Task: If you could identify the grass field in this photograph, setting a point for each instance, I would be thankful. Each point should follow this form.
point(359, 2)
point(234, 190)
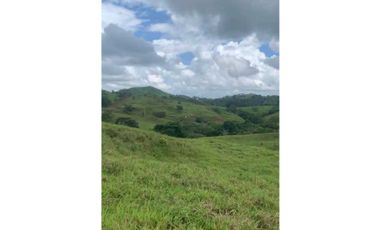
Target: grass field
point(147, 100)
point(153, 181)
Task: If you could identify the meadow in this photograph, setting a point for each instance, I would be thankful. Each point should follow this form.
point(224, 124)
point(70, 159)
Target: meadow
point(154, 181)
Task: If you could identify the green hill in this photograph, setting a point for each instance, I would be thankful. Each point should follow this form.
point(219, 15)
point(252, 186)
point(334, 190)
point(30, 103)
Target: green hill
point(141, 91)
point(195, 116)
point(145, 104)
point(153, 181)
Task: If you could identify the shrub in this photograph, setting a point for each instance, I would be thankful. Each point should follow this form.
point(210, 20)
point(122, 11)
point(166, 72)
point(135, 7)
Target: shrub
point(105, 101)
point(217, 110)
point(128, 108)
point(107, 116)
point(123, 93)
point(187, 129)
point(254, 118)
point(179, 107)
point(231, 127)
point(159, 114)
point(200, 119)
point(171, 129)
point(127, 121)
point(231, 108)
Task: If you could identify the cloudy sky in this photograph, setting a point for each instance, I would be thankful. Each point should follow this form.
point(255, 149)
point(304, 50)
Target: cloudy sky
point(207, 48)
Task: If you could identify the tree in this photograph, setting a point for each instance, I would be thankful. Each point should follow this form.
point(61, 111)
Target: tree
point(107, 116)
point(127, 121)
point(231, 108)
point(128, 108)
point(231, 127)
point(171, 129)
point(159, 114)
point(200, 119)
point(179, 107)
point(105, 101)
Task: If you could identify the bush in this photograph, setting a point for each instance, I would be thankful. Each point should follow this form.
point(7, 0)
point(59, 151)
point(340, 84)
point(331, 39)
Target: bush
point(127, 121)
point(254, 118)
point(106, 101)
point(179, 107)
point(128, 108)
point(188, 129)
point(159, 114)
point(123, 93)
point(231, 127)
point(200, 119)
point(171, 129)
point(231, 108)
point(217, 110)
point(107, 116)
point(274, 109)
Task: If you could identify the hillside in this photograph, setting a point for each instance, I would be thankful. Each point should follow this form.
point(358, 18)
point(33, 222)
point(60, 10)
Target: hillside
point(195, 116)
point(153, 181)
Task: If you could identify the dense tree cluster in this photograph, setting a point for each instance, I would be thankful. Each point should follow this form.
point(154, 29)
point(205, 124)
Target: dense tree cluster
point(128, 109)
point(127, 121)
point(243, 100)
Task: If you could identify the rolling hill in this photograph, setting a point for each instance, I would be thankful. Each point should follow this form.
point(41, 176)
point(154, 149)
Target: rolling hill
point(150, 107)
point(220, 180)
point(154, 181)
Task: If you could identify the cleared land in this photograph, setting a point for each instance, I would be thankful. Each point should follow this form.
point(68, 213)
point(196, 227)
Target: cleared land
point(153, 181)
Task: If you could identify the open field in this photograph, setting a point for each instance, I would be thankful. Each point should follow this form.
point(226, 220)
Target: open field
point(153, 181)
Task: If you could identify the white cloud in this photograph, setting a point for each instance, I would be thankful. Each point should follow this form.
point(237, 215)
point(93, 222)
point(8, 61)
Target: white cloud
point(274, 45)
point(161, 27)
point(221, 65)
point(124, 18)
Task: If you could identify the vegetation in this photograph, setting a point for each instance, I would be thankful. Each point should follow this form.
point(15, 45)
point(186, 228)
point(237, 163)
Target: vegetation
point(159, 114)
point(152, 181)
point(179, 107)
point(185, 164)
point(107, 116)
point(243, 100)
point(127, 121)
point(156, 110)
point(188, 129)
point(129, 108)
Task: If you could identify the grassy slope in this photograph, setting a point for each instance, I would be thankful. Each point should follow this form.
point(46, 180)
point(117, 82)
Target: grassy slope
point(152, 181)
point(148, 100)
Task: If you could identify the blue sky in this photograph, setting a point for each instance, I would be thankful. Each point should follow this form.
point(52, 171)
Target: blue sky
point(192, 48)
point(149, 16)
point(267, 50)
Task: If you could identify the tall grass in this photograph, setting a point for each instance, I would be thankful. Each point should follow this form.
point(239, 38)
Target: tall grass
point(152, 181)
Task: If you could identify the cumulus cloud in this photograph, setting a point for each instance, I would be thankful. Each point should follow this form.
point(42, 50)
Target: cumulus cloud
point(227, 18)
point(224, 37)
point(274, 45)
point(273, 61)
point(120, 16)
point(123, 48)
point(161, 27)
point(235, 67)
point(108, 68)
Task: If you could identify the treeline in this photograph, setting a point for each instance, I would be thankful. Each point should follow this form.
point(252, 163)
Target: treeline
point(242, 100)
point(194, 129)
point(200, 127)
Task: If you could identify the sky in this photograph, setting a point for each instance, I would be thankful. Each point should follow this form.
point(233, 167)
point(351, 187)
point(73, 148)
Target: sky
point(204, 48)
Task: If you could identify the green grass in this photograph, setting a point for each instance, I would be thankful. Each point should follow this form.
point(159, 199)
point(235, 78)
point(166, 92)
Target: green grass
point(148, 100)
point(152, 181)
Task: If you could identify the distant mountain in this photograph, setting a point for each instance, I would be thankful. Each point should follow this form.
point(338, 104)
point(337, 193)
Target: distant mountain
point(244, 100)
point(142, 91)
